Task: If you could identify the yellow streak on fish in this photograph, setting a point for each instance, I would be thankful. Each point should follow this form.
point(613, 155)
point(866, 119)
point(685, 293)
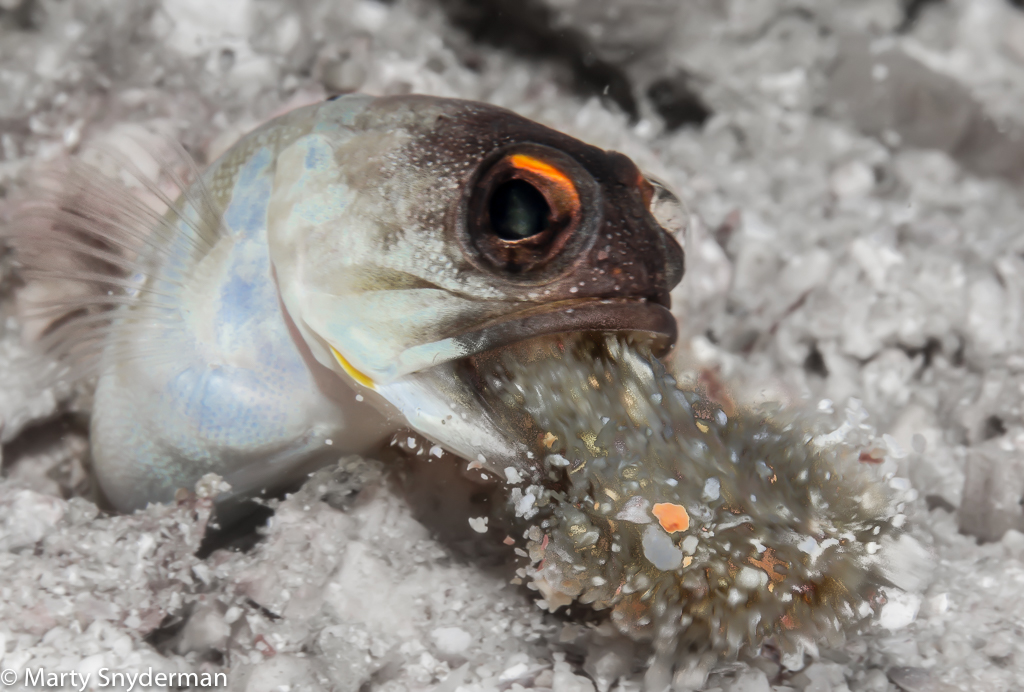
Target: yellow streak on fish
point(352, 371)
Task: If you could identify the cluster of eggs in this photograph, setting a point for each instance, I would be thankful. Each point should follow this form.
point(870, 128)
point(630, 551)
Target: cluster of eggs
point(699, 529)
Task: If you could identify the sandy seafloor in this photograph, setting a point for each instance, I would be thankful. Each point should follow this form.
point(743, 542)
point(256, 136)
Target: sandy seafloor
point(857, 245)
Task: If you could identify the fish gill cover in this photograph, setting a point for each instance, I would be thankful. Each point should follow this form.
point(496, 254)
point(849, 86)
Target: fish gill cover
point(701, 528)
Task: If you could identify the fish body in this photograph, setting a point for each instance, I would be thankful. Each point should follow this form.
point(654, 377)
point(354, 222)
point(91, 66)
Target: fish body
point(321, 284)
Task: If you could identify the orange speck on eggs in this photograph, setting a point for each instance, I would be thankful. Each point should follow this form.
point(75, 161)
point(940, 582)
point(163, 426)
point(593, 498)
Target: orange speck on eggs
point(768, 563)
point(671, 517)
point(549, 440)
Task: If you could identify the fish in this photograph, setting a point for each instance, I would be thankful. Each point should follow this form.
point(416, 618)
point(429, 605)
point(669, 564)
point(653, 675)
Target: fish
point(328, 281)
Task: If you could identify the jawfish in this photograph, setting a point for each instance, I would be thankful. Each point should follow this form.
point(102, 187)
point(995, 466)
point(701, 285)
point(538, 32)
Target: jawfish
point(325, 282)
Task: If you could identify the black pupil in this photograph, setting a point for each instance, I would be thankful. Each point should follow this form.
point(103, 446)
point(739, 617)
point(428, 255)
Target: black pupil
point(518, 211)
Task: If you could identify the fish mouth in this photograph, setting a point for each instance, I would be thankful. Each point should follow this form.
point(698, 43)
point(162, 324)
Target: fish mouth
point(630, 315)
point(452, 402)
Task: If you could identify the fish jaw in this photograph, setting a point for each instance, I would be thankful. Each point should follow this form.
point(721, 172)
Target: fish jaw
point(612, 315)
point(442, 394)
point(463, 406)
point(444, 397)
point(444, 406)
point(439, 392)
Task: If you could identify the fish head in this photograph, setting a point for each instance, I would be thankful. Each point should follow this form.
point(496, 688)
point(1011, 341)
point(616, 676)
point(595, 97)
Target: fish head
point(409, 234)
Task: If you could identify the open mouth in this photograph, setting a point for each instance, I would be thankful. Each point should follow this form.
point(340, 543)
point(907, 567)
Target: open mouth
point(651, 320)
point(461, 404)
point(542, 334)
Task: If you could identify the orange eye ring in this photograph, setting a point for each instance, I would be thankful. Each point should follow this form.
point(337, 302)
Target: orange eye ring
point(553, 182)
point(525, 211)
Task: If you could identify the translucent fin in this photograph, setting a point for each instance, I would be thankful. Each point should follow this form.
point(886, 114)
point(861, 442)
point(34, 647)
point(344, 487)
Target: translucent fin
point(93, 240)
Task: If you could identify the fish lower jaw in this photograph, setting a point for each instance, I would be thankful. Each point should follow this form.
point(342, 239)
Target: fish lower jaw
point(453, 403)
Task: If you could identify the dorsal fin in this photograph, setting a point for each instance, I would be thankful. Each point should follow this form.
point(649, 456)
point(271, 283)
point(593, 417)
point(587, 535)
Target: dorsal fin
point(93, 239)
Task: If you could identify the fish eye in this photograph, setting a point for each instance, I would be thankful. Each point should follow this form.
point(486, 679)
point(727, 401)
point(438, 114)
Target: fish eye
point(518, 210)
point(525, 209)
